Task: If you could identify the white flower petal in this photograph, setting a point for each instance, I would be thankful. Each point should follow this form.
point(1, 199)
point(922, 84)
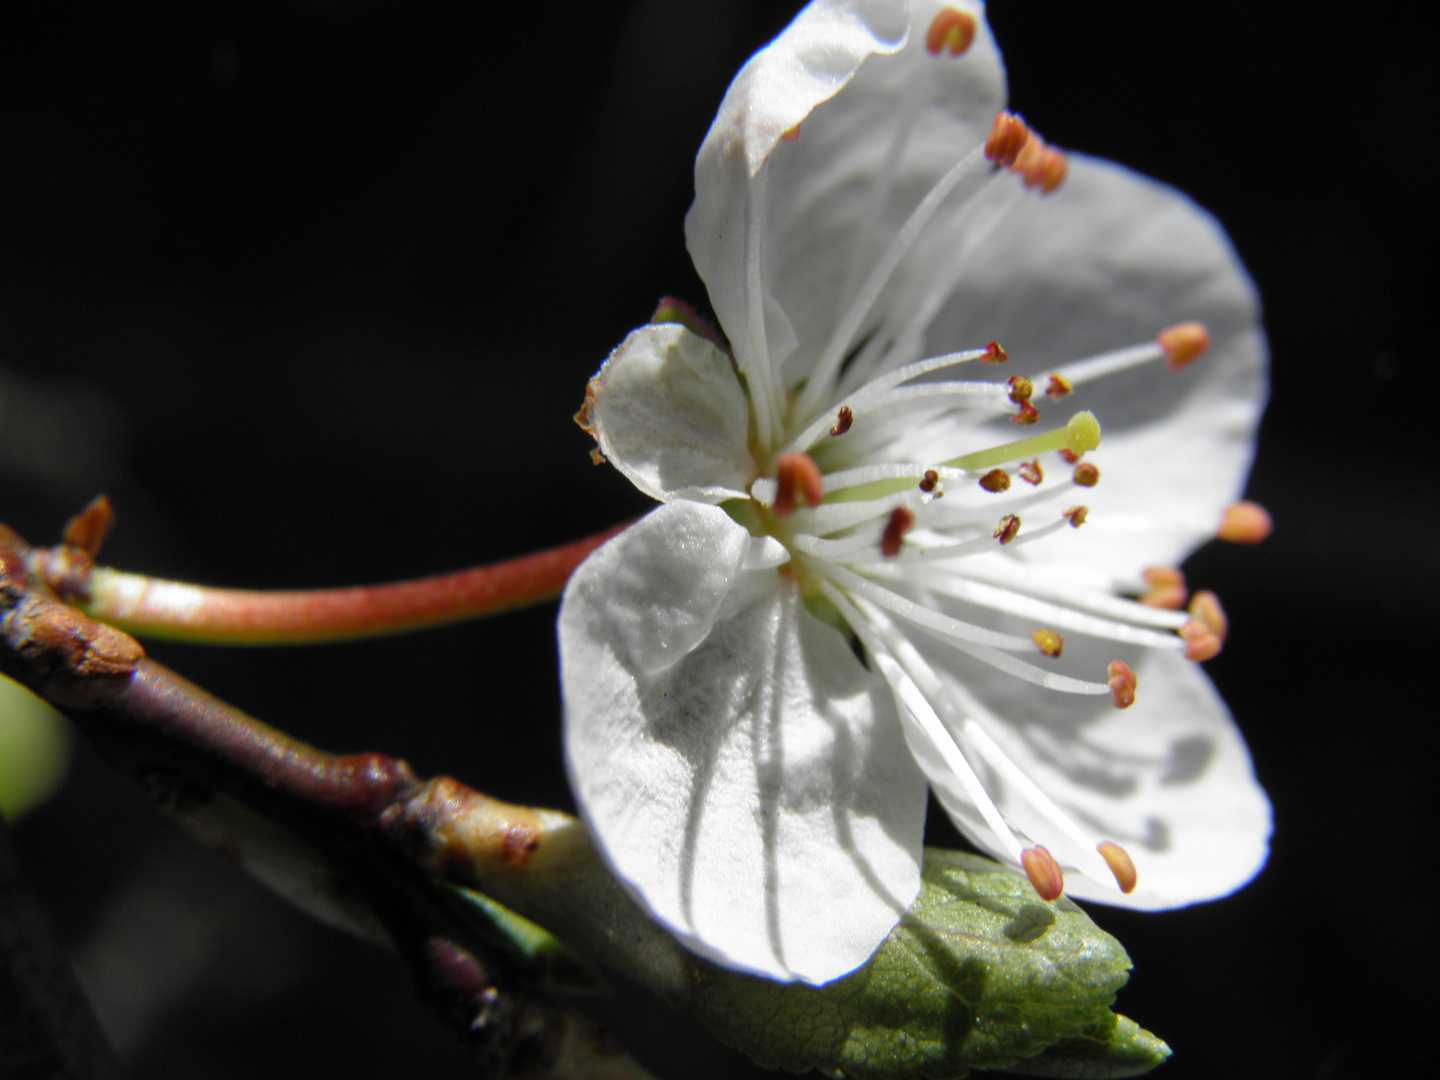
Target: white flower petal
point(670, 414)
point(1169, 779)
point(1110, 260)
point(755, 793)
point(862, 160)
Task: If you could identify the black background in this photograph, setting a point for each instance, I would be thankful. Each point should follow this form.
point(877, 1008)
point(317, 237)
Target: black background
point(312, 288)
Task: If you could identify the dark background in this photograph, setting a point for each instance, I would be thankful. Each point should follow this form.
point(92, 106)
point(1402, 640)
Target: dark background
point(312, 288)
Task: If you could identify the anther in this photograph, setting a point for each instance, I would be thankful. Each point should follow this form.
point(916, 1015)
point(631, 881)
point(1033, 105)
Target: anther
point(1028, 414)
point(1122, 684)
point(1031, 473)
point(791, 134)
point(1206, 607)
point(1077, 515)
point(1049, 642)
point(843, 421)
point(1182, 344)
point(1021, 388)
point(901, 520)
point(1120, 863)
point(1069, 456)
point(1008, 136)
point(1086, 475)
point(1245, 523)
point(796, 473)
point(1044, 872)
point(994, 354)
point(996, 480)
point(1059, 387)
point(1167, 588)
point(951, 31)
point(1007, 529)
point(931, 478)
point(1200, 641)
point(1054, 167)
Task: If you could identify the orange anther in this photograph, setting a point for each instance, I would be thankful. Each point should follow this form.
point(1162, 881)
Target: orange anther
point(994, 354)
point(996, 480)
point(1121, 865)
point(1086, 475)
point(1043, 871)
point(1077, 515)
point(1028, 414)
point(1182, 344)
point(1054, 167)
point(1048, 642)
point(797, 474)
point(1059, 387)
point(843, 421)
point(791, 134)
point(1031, 473)
point(1167, 588)
point(1069, 456)
point(1206, 607)
point(1029, 163)
point(901, 520)
point(1122, 684)
point(1200, 641)
point(1007, 529)
point(950, 31)
point(1007, 138)
point(928, 482)
point(1021, 389)
point(1245, 523)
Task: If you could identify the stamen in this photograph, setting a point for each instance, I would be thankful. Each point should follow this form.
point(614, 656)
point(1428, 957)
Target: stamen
point(902, 519)
point(1044, 872)
point(1069, 456)
point(1007, 529)
point(1049, 642)
point(1008, 136)
point(1040, 165)
point(1183, 343)
point(1086, 475)
point(822, 376)
point(843, 421)
point(1121, 865)
point(1059, 387)
point(1020, 388)
point(1201, 643)
point(1028, 414)
point(994, 354)
point(1031, 473)
point(880, 386)
point(1245, 523)
point(928, 482)
point(791, 134)
point(1206, 607)
point(1077, 515)
point(996, 480)
point(1081, 434)
point(1121, 683)
point(1167, 588)
point(796, 473)
point(951, 31)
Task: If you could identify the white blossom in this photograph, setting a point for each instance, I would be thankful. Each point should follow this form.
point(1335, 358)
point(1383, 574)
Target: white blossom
point(758, 688)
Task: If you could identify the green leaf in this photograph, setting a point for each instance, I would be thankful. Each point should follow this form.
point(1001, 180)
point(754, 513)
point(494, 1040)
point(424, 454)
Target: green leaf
point(547, 958)
point(980, 973)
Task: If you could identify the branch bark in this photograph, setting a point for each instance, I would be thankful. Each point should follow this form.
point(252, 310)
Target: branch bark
point(346, 847)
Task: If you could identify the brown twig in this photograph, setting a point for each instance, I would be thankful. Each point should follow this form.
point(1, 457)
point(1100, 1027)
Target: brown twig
point(351, 817)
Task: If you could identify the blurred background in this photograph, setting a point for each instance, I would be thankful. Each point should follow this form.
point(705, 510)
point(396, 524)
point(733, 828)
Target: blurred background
point(311, 289)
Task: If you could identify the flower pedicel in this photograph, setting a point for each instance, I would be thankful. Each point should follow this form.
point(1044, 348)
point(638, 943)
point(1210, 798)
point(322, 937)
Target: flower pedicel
point(870, 574)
